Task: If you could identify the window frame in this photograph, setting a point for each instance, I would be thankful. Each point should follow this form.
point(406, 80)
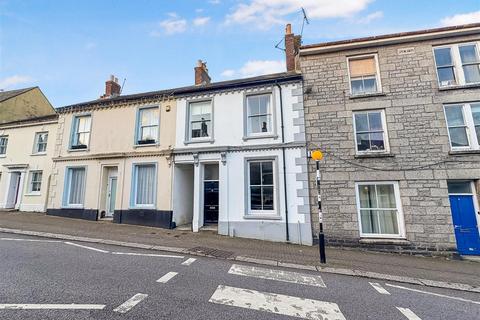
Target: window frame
point(457, 63)
point(259, 135)
point(73, 132)
point(67, 188)
point(133, 187)
point(377, 74)
point(36, 143)
point(138, 127)
point(188, 136)
point(400, 213)
point(384, 127)
point(473, 143)
point(30, 182)
point(4, 146)
point(262, 214)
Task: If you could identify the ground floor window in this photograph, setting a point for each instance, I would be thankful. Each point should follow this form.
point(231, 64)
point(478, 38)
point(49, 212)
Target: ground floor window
point(379, 209)
point(144, 185)
point(75, 187)
point(35, 181)
point(261, 186)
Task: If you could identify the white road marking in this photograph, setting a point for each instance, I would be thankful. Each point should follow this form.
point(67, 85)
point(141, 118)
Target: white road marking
point(85, 247)
point(276, 303)
point(29, 306)
point(278, 275)
point(408, 313)
point(433, 294)
point(167, 277)
point(130, 303)
point(379, 288)
point(189, 261)
point(148, 255)
point(30, 240)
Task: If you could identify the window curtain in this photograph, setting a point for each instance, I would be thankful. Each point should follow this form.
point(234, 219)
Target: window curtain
point(145, 188)
point(77, 182)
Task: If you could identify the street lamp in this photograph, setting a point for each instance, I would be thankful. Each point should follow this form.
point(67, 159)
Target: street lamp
point(317, 155)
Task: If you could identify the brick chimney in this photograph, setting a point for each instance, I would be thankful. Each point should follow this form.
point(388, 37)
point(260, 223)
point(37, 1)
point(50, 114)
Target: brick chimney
point(201, 73)
point(112, 88)
point(292, 46)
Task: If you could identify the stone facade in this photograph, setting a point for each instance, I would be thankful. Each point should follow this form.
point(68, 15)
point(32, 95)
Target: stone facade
point(420, 158)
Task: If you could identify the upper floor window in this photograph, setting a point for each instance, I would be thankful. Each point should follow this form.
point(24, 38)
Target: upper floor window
point(463, 121)
point(259, 114)
point(3, 144)
point(370, 131)
point(74, 192)
point(364, 75)
point(40, 142)
point(200, 120)
point(147, 125)
point(35, 181)
point(81, 132)
point(457, 64)
point(144, 185)
point(261, 186)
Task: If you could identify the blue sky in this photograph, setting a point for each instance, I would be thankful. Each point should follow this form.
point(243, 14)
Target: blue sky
point(69, 48)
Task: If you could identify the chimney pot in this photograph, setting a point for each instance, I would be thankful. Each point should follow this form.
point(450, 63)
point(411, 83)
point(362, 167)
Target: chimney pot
point(288, 29)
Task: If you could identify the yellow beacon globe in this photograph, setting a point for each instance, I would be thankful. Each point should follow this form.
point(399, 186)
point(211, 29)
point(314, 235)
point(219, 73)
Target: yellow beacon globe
point(317, 155)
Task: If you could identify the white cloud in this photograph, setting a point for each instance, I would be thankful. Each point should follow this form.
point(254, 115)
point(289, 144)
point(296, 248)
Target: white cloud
point(255, 68)
point(463, 18)
point(201, 21)
point(170, 26)
point(266, 13)
point(372, 16)
point(13, 81)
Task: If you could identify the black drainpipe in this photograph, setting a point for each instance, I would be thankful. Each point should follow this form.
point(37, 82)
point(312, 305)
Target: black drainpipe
point(284, 167)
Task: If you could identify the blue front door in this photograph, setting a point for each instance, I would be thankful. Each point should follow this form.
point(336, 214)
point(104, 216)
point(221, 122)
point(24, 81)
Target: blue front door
point(465, 224)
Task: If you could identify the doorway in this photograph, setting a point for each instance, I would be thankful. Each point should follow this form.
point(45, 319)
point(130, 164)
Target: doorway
point(111, 196)
point(210, 194)
point(13, 193)
point(465, 216)
point(108, 195)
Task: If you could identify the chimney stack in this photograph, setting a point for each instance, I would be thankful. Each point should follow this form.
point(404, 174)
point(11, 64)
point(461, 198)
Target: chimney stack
point(292, 47)
point(112, 88)
point(201, 73)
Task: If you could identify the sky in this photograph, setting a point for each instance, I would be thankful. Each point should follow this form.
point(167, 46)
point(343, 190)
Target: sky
point(70, 48)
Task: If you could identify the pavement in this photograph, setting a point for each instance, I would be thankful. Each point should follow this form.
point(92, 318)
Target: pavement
point(428, 271)
point(43, 278)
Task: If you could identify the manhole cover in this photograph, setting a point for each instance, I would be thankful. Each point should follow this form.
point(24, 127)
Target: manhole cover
point(212, 252)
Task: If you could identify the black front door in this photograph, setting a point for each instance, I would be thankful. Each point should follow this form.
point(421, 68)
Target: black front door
point(210, 201)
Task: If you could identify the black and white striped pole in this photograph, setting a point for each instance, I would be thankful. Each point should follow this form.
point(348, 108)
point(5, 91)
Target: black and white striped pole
point(317, 155)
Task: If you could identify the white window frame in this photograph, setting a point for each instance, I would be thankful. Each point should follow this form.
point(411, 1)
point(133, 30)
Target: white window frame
point(133, 188)
point(30, 182)
point(5, 145)
point(400, 217)
point(36, 143)
point(385, 132)
point(138, 126)
point(457, 63)
point(377, 74)
point(272, 132)
point(74, 132)
point(262, 213)
point(473, 143)
point(188, 125)
point(67, 188)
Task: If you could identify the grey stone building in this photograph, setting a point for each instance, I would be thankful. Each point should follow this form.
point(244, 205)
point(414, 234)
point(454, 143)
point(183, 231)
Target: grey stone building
point(398, 117)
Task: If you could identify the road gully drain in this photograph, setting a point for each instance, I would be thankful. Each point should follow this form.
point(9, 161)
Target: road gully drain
point(212, 252)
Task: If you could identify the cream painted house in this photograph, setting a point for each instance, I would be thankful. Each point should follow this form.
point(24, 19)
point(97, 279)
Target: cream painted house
point(112, 159)
point(26, 148)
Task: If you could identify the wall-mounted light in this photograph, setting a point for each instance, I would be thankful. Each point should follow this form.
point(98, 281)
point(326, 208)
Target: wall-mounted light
point(167, 108)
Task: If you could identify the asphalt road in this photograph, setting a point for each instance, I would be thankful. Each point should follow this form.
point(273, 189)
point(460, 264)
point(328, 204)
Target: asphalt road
point(43, 279)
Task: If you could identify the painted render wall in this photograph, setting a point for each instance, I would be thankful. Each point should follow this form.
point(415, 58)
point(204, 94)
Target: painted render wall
point(20, 146)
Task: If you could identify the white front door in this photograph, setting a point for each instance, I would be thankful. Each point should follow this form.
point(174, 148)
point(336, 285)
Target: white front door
point(13, 190)
point(111, 195)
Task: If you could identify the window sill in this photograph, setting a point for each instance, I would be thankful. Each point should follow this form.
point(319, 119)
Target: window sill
point(265, 136)
point(78, 150)
point(39, 154)
point(463, 152)
point(199, 141)
point(3, 155)
point(392, 241)
point(73, 207)
point(374, 155)
point(32, 194)
point(156, 144)
point(460, 87)
point(367, 95)
point(262, 217)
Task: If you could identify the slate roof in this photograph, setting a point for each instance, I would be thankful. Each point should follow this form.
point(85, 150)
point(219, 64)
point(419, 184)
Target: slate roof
point(6, 95)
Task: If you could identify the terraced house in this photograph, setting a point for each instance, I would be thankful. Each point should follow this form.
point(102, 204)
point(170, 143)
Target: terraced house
point(399, 118)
